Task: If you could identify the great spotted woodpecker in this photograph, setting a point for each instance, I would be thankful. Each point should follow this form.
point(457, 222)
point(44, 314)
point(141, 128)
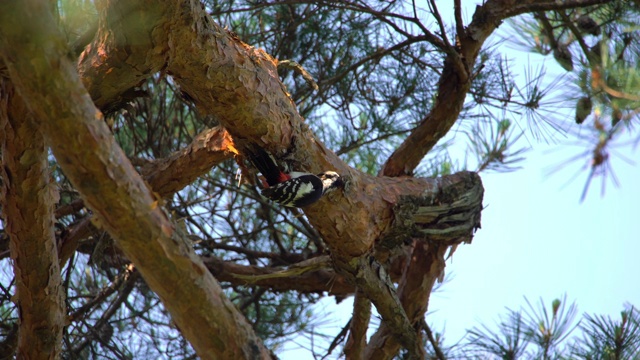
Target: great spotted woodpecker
point(294, 189)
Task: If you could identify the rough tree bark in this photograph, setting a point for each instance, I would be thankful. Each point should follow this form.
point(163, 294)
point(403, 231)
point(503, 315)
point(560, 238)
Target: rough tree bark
point(28, 199)
point(241, 88)
point(35, 55)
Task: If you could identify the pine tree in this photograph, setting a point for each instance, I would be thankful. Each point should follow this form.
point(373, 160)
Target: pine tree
point(134, 224)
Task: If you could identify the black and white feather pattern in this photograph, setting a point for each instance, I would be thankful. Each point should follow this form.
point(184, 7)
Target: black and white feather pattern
point(298, 192)
point(294, 189)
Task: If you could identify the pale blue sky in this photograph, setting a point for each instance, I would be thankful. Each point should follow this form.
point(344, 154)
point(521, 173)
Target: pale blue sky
point(538, 240)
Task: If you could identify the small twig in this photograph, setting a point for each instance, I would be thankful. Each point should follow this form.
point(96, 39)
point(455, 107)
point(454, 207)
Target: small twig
point(339, 338)
point(457, 7)
point(102, 295)
point(568, 23)
point(547, 28)
point(599, 81)
point(459, 65)
point(111, 310)
point(436, 348)
point(436, 14)
point(290, 64)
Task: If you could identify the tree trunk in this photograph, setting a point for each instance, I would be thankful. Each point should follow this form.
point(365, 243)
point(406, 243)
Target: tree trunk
point(121, 201)
point(28, 199)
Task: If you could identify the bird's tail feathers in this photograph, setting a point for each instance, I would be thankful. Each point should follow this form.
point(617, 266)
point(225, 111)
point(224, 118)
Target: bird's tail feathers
point(265, 163)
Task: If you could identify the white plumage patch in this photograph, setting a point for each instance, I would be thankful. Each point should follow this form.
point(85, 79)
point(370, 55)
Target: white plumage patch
point(297, 192)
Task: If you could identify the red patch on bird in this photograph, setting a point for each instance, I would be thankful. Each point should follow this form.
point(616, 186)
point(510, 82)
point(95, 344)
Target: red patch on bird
point(283, 177)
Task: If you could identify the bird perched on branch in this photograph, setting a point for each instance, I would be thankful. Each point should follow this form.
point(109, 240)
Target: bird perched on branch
point(291, 189)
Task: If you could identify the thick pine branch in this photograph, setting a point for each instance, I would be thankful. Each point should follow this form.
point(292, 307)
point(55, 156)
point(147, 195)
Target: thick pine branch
point(171, 174)
point(242, 89)
point(120, 200)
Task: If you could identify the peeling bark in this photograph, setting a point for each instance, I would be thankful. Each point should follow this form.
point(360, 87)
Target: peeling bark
point(365, 226)
point(165, 176)
point(172, 174)
point(239, 85)
point(241, 88)
point(319, 281)
point(28, 199)
point(125, 50)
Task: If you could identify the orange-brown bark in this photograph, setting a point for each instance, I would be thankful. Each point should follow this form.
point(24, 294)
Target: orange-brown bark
point(171, 174)
point(319, 281)
point(125, 51)
point(355, 345)
point(239, 85)
point(110, 186)
point(165, 176)
point(28, 199)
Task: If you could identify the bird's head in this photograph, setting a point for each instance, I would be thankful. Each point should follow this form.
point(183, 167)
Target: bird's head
point(330, 181)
